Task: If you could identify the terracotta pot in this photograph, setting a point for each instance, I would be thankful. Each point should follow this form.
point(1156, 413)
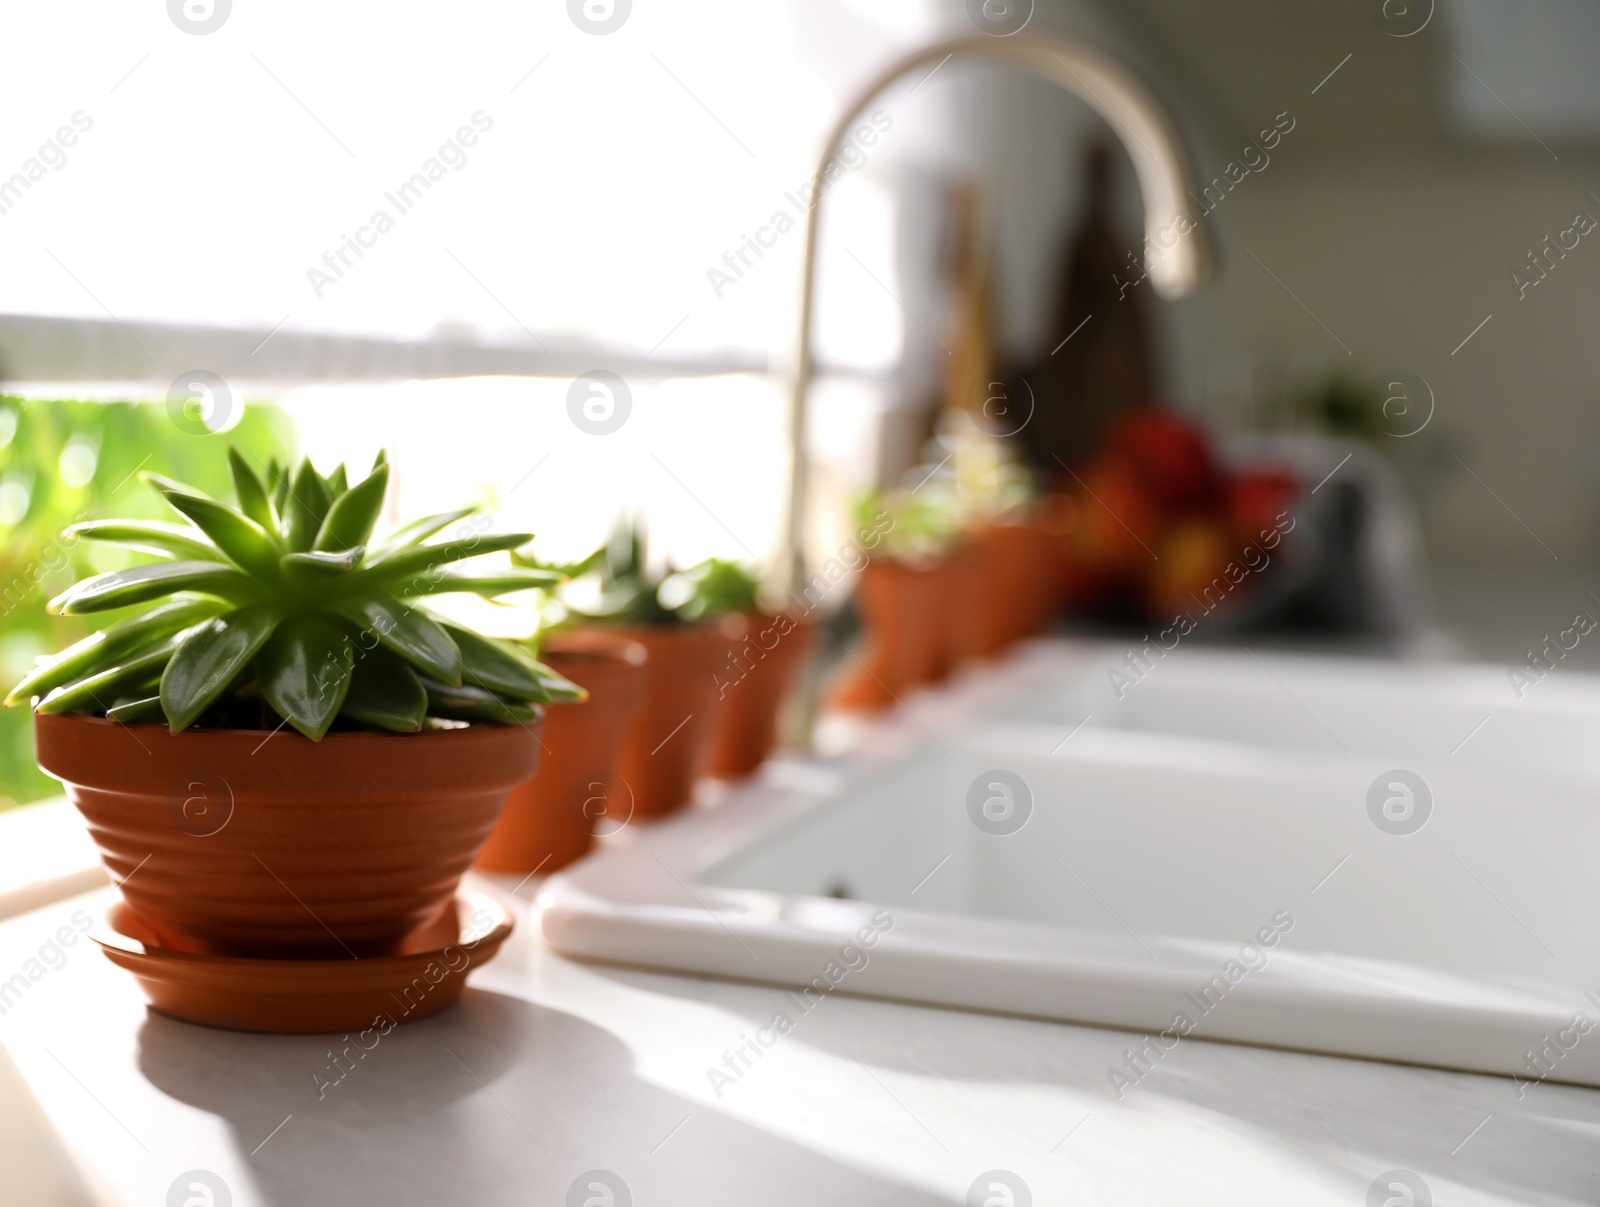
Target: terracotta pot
point(665, 749)
point(755, 682)
point(905, 611)
point(980, 621)
point(1026, 569)
point(553, 818)
point(940, 602)
point(1011, 583)
point(231, 842)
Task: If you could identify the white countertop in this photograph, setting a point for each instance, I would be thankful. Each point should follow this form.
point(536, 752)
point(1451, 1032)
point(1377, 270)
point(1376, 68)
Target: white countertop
point(547, 1069)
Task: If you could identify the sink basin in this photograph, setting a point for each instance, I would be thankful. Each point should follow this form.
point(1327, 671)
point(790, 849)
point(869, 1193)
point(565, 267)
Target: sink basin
point(1202, 859)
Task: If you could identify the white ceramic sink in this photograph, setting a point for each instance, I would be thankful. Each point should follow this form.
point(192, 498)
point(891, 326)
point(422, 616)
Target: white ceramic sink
point(1202, 858)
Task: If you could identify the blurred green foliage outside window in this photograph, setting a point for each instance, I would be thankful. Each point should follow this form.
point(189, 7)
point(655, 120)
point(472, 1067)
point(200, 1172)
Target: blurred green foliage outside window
point(69, 460)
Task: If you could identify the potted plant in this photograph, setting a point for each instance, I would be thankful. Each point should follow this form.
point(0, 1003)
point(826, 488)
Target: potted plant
point(665, 749)
point(905, 596)
point(759, 672)
point(277, 750)
point(1005, 558)
point(554, 818)
point(1018, 576)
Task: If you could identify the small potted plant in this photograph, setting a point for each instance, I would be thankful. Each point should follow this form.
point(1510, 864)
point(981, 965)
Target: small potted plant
point(906, 597)
point(666, 746)
point(759, 672)
point(1006, 561)
point(277, 750)
point(573, 798)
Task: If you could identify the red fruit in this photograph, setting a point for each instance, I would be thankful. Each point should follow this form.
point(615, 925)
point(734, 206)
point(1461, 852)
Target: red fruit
point(1192, 573)
point(1257, 497)
point(1171, 457)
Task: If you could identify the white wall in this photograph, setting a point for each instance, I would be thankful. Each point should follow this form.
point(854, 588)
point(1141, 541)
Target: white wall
point(1401, 260)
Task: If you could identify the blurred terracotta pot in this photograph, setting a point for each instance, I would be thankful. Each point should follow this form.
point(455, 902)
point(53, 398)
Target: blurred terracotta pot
point(1037, 573)
point(553, 818)
point(975, 608)
point(232, 842)
point(666, 745)
point(905, 610)
point(1010, 587)
point(753, 686)
point(942, 608)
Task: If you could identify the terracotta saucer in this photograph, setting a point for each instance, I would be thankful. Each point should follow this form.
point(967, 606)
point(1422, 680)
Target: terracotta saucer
point(300, 996)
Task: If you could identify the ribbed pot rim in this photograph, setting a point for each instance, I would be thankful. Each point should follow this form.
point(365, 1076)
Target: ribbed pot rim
point(143, 760)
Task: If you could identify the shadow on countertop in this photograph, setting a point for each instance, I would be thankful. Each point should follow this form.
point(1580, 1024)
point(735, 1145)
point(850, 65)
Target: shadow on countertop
point(493, 1101)
point(1342, 1120)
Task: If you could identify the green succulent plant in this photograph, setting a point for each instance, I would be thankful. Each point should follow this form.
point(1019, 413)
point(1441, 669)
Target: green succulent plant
point(924, 525)
point(285, 606)
point(629, 593)
point(712, 588)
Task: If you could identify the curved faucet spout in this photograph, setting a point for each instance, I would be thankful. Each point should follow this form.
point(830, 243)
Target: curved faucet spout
point(1177, 249)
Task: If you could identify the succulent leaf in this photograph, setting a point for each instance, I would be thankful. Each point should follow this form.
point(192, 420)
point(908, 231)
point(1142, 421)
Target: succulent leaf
point(145, 710)
point(209, 660)
point(100, 690)
point(162, 483)
point(502, 582)
point(323, 565)
point(148, 536)
point(304, 672)
point(418, 564)
point(412, 634)
point(385, 693)
point(100, 650)
point(353, 513)
point(418, 531)
point(475, 704)
point(119, 588)
point(558, 689)
point(307, 504)
point(253, 498)
point(244, 542)
point(496, 666)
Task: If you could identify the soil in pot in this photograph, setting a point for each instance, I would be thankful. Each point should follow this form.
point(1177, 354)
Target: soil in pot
point(233, 842)
point(754, 683)
point(666, 745)
point(553, 818)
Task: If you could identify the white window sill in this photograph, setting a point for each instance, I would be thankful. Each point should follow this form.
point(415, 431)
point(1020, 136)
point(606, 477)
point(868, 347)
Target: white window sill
point(46, 855)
